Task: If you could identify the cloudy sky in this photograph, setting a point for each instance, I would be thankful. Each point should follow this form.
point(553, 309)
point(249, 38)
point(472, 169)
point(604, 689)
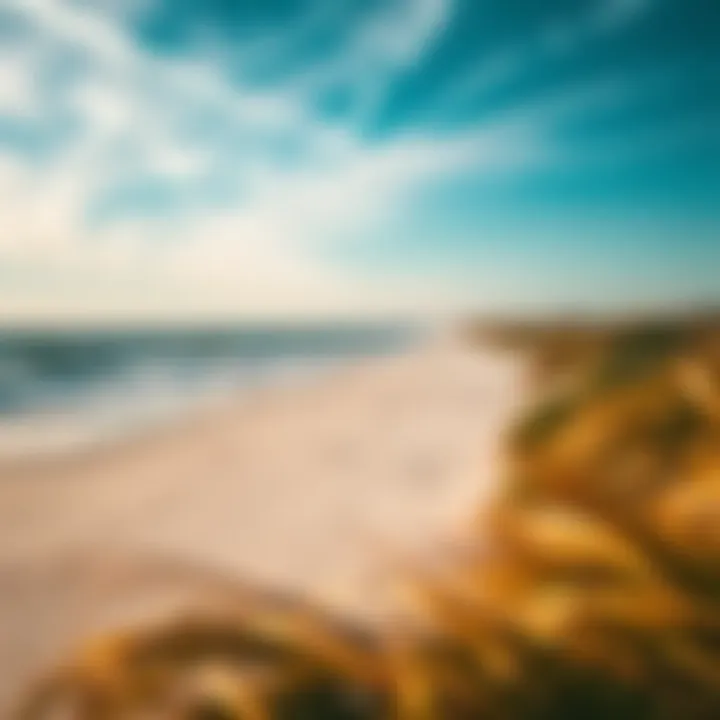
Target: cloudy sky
point(235, 158)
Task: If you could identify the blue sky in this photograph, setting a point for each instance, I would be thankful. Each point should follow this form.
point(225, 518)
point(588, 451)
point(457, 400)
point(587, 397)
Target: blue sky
point(188, 159)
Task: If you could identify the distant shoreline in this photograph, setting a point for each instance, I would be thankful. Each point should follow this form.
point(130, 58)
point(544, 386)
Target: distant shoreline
point(15, 464)
point(109, 386)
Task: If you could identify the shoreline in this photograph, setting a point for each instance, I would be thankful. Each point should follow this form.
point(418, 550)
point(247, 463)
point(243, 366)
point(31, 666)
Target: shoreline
point(30, 457)
point(309, 489)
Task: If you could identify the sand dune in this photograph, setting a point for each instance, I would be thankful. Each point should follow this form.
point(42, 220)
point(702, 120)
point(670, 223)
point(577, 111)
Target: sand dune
point(314, 489)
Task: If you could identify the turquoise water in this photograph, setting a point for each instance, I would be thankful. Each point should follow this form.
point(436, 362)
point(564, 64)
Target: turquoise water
point(111, 378)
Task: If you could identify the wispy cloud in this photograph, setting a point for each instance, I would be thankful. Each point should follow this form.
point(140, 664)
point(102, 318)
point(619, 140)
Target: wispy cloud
point(556, 36)
point(292, 182)
point(613, 14)
point(186, 178)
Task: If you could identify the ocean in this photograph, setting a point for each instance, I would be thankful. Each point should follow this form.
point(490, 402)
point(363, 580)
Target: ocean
point(62, 389)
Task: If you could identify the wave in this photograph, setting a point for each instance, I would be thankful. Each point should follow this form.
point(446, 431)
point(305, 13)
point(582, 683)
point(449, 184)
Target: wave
point(61, 389)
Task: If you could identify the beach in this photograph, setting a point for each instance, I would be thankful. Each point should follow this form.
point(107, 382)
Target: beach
point(321, 489)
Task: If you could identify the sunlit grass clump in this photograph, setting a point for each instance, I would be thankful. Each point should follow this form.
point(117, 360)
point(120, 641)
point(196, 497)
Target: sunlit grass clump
point(593, 590)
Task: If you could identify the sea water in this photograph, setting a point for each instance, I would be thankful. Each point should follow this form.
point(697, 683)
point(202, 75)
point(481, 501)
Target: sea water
point(60, 389)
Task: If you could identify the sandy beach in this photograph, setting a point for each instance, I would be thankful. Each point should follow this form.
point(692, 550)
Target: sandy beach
point(316, 489)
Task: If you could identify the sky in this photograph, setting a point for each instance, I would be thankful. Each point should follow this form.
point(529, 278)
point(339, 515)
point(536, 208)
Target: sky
point(223, 159)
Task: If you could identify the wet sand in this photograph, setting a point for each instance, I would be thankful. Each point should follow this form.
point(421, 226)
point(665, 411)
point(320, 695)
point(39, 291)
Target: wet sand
point(316, 490)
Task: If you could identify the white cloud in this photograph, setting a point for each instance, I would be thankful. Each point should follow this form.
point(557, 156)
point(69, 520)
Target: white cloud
point(560, 37)
point(382, 46)
point(491, 73)
point(105, 111)
point(18, 92)
point(139, 115)
point(613, 14)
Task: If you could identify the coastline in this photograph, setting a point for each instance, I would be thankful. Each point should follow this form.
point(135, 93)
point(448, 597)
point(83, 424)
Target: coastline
point(310, 489)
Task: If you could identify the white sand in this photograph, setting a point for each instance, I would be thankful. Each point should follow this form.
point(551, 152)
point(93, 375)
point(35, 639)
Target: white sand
point(313, 489)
